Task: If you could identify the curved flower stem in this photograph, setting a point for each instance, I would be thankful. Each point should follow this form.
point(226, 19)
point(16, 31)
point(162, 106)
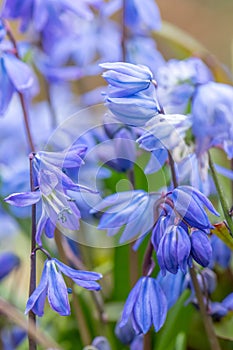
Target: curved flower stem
point(208, 324)
point(32, 283)
point(223, 202)
point(173, 170)
point(21, 96)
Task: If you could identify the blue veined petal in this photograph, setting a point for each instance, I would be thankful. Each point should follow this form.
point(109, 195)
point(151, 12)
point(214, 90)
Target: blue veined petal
point(6, 89)
point(130, 302)
point(40, 228)
point(19, 72)
point(158, 303)
point(125, 69)
point(174, 250)
point(142, 312)
point(115, 199)
point(134, 110)
point(57, 290)
point(183, 248)
point(201, 249)
point(49, 228)
point(36, 301)
point(190, 209)
point(8, 261)
point(130, 211)
point(200, 197)
point(23, 199)
point(90, 285)
point(77, 274)
point(47, 181)
point(228, 302)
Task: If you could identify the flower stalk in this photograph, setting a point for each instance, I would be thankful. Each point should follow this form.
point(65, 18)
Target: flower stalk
point(32, 283)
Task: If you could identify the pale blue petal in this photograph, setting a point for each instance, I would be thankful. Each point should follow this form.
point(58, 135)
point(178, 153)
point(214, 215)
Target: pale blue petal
point(19, 73)
point(23, 199)
point(57, 291)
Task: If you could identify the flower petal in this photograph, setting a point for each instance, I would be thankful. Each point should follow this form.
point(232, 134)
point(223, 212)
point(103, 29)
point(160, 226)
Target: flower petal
point(23, 199)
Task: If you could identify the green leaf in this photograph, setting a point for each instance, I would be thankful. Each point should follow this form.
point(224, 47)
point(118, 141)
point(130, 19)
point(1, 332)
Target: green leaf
point(224, 328)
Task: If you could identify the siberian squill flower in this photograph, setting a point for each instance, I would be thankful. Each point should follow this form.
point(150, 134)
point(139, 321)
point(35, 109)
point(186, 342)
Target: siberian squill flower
point(145, 306)
point(131, 95)
point(134, 209)
point(212, 118)
point(53, 287)
point(174, 238)
point(51, 185)
point(178, 80)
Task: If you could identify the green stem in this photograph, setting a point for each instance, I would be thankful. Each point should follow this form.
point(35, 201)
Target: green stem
point(208, 324)
point(222, 199)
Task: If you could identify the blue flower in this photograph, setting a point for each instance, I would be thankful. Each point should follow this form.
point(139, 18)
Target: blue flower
point(135, 209)
point(8, 262)
point(215, 102)
point(145, 306)
point(12, 337)
point(201, 249)
point(101, 343)
point(58, 209)
point(53, 286)
point(189, 204)
point(131, 96)
point(174, 250)
point(178, 81)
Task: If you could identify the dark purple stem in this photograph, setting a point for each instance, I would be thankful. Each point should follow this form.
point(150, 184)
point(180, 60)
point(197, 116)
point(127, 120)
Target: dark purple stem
point(32, 283)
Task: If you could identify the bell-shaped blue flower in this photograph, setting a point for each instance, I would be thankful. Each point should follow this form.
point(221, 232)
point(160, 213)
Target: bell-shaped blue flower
point(8, 262)
point(53, 287)
point(174, 250)
point(145, 306)
point(201, 249)
point(189, 204)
